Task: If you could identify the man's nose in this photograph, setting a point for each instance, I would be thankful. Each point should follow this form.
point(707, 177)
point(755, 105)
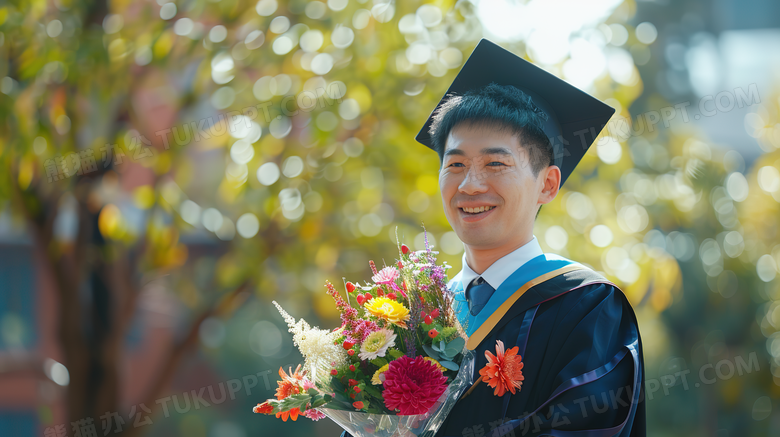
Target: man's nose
point(474, 181)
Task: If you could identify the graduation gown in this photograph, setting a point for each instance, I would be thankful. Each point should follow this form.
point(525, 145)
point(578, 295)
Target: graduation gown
point(582, 354)
point(579, 341)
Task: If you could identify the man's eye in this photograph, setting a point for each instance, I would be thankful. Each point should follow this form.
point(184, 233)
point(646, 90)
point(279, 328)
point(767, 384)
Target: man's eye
point(496, 164)
point(456, 164)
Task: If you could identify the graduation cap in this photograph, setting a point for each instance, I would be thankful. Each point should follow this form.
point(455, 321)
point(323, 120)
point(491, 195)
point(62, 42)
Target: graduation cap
point(574, 118)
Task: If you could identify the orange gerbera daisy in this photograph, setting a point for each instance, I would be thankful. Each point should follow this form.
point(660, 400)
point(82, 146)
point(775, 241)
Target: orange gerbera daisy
point(290, 384)
point(503, 371)
point(293, 414)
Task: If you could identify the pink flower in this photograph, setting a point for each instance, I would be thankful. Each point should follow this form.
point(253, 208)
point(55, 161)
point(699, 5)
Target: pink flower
point(307, 384)
point(314, 415)
point(349, 315)
point(387, 275)
point(361, 329)
point(412, 386)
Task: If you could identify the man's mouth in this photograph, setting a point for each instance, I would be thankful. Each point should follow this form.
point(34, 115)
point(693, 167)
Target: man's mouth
point(477, 210)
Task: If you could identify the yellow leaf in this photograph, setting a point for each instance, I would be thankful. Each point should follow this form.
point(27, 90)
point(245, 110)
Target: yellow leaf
point(109, 221)
point(143, 197)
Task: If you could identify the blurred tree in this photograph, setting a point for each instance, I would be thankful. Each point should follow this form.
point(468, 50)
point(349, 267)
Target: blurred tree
point(70, 96)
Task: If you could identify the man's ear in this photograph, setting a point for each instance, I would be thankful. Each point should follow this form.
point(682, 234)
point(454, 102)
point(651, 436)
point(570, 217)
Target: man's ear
point(551, 183)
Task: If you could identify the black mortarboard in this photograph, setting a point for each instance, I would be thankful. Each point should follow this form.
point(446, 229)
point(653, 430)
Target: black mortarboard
point(574, 120)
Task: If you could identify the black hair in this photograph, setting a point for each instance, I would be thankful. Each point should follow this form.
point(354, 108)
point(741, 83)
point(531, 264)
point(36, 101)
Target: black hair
point(500, 107)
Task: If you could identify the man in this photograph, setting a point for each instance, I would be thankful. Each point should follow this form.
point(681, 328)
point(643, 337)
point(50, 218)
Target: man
point(508, 134)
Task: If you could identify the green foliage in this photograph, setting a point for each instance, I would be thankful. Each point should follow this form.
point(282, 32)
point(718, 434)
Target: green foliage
point(395, 353)
point(446, 353)
point(379, 362)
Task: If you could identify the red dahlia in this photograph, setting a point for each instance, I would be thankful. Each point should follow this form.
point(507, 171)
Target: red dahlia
point(412, 386)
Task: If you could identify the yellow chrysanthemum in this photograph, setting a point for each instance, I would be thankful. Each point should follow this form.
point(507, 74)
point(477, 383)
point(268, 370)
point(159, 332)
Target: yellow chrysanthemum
point(389, 310)
point(438, 366)
point(376, 380)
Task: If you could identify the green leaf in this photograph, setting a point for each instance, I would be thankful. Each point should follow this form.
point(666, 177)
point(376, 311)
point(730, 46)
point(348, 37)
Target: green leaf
point(343, 398)
point(395, 353)
point(376, 407)
point(295, 401)
point(448, 354)
point(431, 352)
point(379, 362)
point(316, 403)
point(337, 386)
point(451, 351)
point(373, 392)
point(457, 343)
point(449, 365)
point(341, 405)
point(454, 348)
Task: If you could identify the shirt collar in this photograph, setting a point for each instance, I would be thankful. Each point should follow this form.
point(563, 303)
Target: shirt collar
point(499, 271)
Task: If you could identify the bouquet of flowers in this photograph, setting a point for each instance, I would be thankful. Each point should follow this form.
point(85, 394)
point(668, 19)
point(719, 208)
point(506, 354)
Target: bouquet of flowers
point(395, 366)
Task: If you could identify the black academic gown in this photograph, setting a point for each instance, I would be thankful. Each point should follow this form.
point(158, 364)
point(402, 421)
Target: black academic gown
point(583, 368)
point(583, 364)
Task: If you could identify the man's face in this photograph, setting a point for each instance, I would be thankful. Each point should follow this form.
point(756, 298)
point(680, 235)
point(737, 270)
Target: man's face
point(488, 188)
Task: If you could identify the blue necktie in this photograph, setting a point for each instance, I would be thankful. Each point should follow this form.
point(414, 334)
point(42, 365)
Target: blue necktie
point(477, 294)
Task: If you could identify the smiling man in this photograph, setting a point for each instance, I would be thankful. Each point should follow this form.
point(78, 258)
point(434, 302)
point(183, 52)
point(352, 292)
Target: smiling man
point(508, 135)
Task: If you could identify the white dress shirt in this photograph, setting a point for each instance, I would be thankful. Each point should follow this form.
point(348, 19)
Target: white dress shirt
point(499, 271)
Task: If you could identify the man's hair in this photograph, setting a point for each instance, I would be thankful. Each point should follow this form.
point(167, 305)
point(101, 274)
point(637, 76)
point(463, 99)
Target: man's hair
point(499, 107)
